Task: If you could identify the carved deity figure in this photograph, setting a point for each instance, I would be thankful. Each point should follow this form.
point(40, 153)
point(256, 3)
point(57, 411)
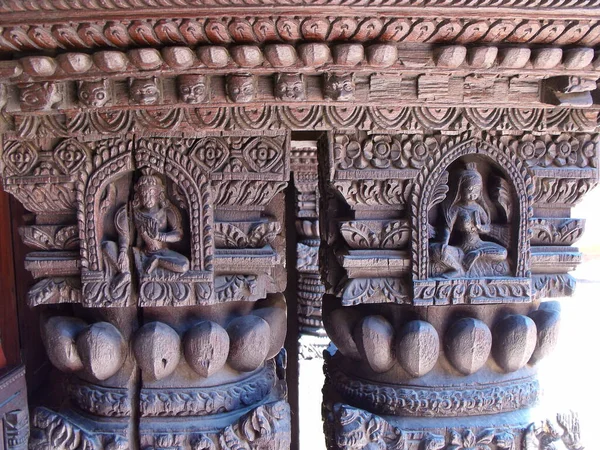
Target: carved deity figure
point(94, 93)
point(463, 250)
point(290, 87)
point(241, 88)
point(158, 223)
point(144, 91)
point(339, 87)
point(38, 96)
point(193, 89)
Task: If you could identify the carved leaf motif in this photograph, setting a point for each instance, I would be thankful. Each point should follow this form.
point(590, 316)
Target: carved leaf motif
point(441, 190)
point(229, 236)
point(263, 234)
point(358, 235)
point(395, 235)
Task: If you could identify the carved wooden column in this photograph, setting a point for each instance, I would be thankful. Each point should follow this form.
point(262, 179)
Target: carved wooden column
point(170, 251)
point(151, 141)
point(312, 340)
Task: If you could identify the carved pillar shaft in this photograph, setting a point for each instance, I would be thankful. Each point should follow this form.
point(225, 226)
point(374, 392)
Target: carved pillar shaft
point(450, 245)
point(170, 252)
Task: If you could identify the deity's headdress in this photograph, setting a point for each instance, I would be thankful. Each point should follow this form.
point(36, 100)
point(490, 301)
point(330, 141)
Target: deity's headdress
point(148, 179)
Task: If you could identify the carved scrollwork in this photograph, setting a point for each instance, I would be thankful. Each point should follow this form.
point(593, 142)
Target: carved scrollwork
point(375, 290)
point(100, 400)
point(206, 401)
point(434, 402)
point(52, 430)
point(551, 231)
point(362, 235)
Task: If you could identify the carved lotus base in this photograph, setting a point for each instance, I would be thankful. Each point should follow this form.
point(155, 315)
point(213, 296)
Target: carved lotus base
point(350, 428)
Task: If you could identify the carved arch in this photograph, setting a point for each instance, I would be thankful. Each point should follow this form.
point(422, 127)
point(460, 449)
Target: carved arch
point(185, 173)
point(111, 163)
point(429, 177)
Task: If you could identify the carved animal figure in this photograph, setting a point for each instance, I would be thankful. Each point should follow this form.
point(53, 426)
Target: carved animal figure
point(290, 87)
point(241, 88)
point(93, 93)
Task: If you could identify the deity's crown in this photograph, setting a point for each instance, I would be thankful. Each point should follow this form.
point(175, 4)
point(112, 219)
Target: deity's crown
point(147, 179)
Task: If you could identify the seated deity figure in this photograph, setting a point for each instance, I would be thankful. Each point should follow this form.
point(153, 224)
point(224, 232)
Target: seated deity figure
point(158, 223)
point(461, 249)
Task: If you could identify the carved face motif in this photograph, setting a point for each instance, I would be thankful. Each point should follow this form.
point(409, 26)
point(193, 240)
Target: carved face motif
point(193, 89)
point(471, 189)
point(149, 196)
point(38, 96)
point(93, 93)
point(290, 87)
point(241, 88)
point(339, 87)
point(578, 84)
point(144, 92)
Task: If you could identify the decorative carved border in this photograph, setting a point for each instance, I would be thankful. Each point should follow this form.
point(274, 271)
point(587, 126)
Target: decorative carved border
point(435, 401)
point(409, 119)
point(185, 402)
point(15, 6)
point(100, 400)
point(257, 29)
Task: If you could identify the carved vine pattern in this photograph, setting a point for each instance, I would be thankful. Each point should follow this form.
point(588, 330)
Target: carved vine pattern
point(435, 402)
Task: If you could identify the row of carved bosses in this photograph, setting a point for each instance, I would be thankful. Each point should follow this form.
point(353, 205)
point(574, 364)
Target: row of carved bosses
point(196, 89)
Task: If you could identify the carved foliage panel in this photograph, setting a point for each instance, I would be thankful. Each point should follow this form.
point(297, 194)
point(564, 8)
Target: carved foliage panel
point(377, 174)
point(103, 182)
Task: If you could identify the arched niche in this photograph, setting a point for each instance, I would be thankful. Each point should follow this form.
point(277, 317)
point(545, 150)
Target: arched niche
point(118, 167)
point(436, 188)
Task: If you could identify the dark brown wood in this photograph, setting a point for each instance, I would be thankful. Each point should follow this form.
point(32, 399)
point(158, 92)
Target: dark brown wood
point(9, 325)
point(435, 151)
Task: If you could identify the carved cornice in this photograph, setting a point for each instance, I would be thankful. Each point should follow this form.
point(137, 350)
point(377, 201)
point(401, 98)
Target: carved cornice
point(16, 6)
point(307, 58)
point(257, 29)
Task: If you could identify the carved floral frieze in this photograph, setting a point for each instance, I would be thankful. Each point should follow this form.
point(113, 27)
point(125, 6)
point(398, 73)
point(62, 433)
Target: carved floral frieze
point(354, 428)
